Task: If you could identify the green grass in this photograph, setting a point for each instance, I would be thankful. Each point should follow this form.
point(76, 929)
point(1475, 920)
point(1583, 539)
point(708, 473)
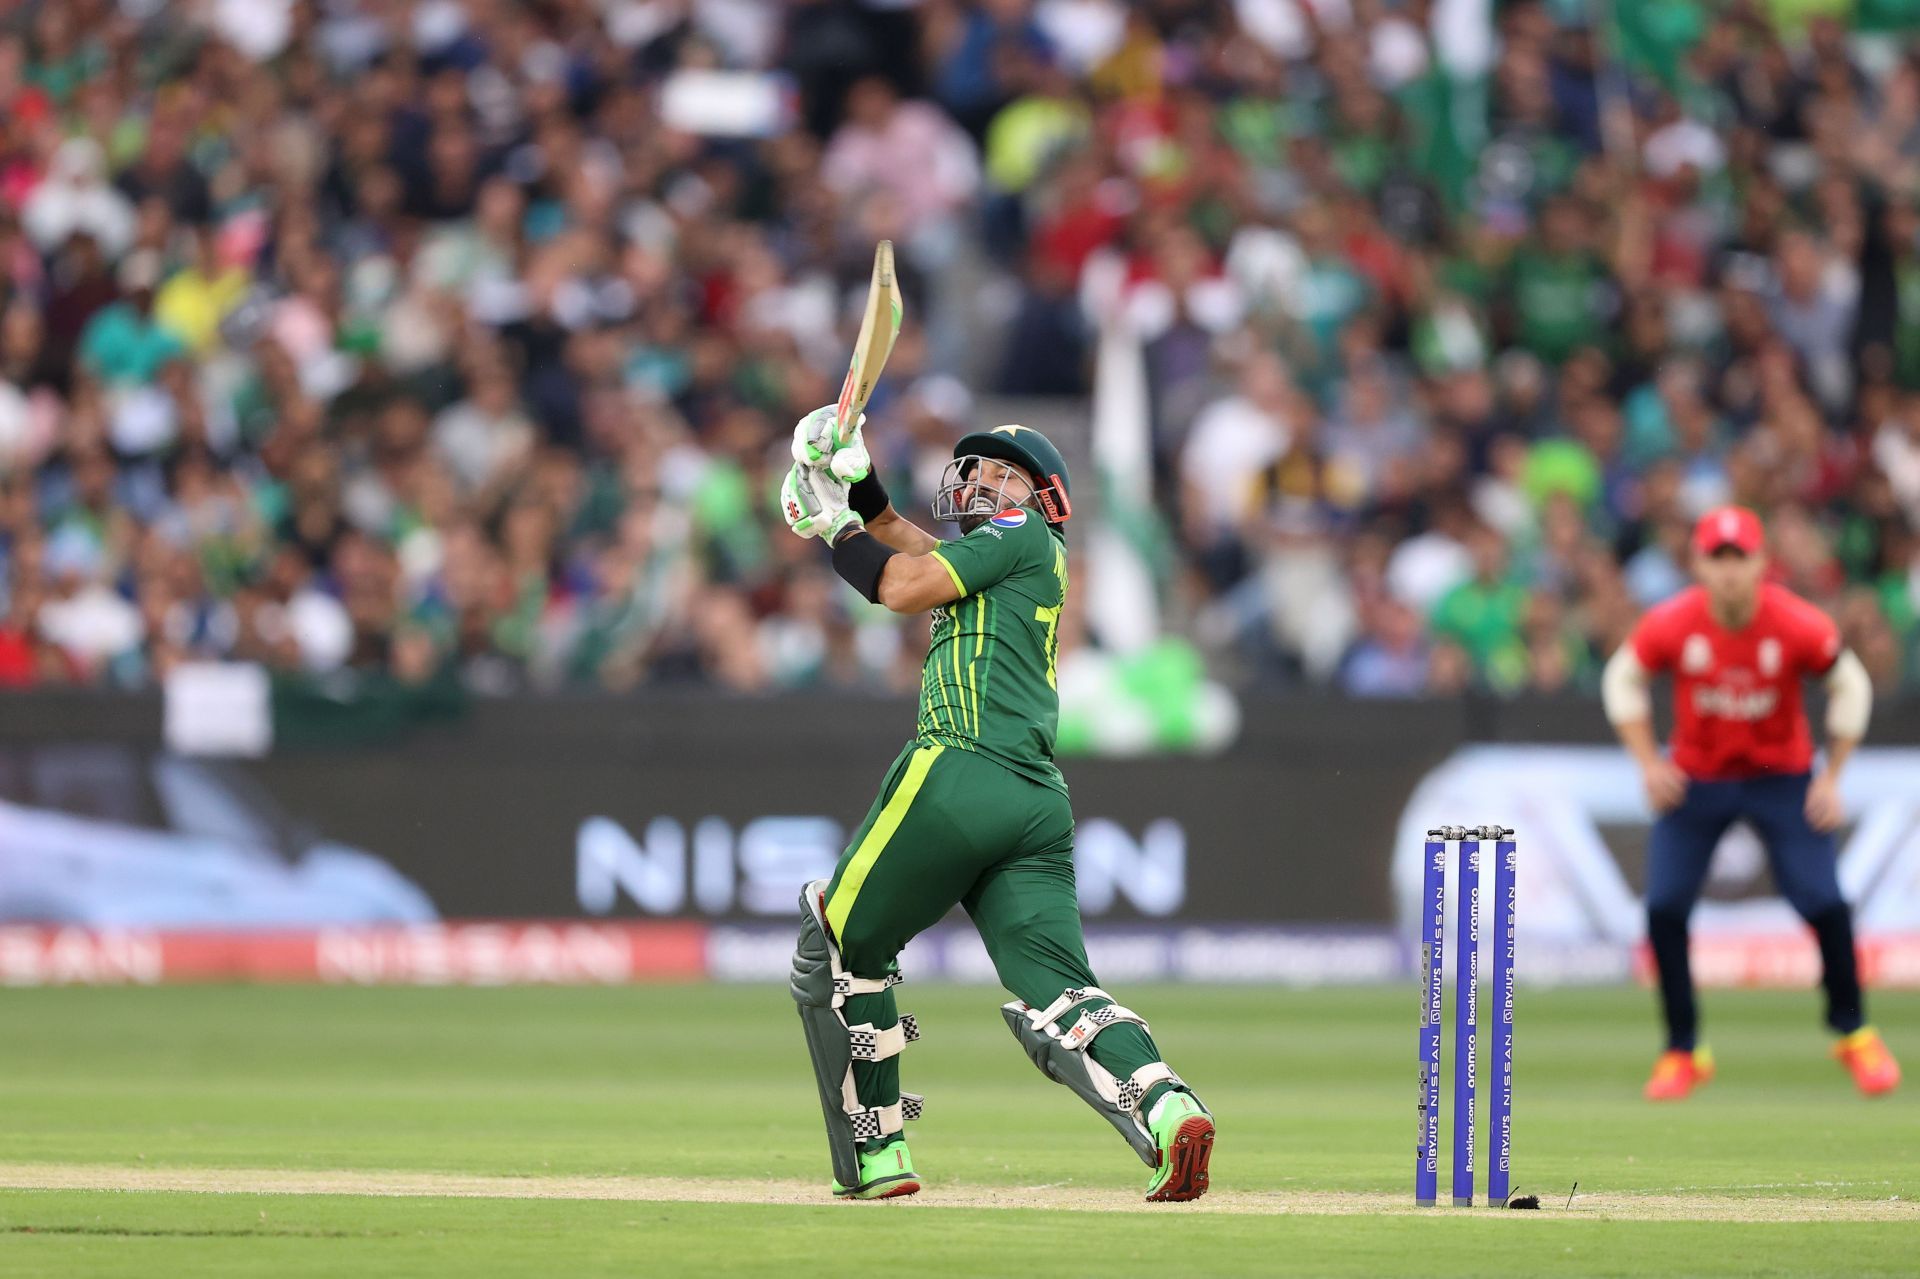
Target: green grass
point(1314, 1090)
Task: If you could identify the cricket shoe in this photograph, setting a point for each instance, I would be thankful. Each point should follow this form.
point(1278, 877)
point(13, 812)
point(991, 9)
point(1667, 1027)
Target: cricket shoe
point(1183, 1130)
point(1678, 1072)
point(1869, 1060)
point(886, 1173)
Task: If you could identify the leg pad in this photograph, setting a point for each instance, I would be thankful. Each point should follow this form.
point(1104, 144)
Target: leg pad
point(1062, 1057)
point(820, 985)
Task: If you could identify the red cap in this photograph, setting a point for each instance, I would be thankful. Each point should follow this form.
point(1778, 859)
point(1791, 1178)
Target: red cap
point(1733, 526)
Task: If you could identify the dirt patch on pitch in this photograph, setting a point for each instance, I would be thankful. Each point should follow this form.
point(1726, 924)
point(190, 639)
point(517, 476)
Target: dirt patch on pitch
point(1597, 1206)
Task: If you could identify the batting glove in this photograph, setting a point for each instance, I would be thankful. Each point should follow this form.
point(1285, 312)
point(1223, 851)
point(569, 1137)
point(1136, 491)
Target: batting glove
point(816, 444)
point(814, 504)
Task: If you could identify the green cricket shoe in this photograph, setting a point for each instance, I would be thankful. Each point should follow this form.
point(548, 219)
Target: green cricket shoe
point(1183, 1130)
point(886, 1173)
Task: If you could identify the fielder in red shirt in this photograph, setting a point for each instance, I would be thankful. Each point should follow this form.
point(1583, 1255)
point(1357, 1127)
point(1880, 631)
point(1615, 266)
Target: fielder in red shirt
point(1738, 647)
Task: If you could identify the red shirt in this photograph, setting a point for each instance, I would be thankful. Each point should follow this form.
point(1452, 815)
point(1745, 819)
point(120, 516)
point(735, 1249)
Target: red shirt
point(1070, 237)
point(19, 667)
point(1736, 694)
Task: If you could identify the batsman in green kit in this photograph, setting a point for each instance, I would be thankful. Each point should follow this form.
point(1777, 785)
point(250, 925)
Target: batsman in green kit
point(974, 812)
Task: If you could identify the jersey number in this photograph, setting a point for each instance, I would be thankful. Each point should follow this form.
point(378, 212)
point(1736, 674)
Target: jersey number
point(1051, 616)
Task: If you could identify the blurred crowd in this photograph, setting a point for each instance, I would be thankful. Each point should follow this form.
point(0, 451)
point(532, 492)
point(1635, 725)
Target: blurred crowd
point(461, 339)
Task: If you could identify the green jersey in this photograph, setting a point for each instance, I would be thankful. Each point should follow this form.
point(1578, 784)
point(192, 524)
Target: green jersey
point(989, 683)
point(1560, 301)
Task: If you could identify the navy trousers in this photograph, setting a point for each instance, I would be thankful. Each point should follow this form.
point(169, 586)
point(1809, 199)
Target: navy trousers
point(1804, 865)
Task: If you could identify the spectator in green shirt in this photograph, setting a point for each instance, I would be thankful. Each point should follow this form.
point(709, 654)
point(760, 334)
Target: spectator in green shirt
point(1561, 294)
point(1485, 614)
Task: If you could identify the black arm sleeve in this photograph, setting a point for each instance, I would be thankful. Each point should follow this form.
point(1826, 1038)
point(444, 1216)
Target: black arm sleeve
point(867, 497)
point(860, 558)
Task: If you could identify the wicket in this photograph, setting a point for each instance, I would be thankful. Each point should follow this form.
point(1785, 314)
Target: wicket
point(1466, 1029)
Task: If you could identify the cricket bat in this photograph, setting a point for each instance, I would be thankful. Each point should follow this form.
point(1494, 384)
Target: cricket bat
point(879, 326)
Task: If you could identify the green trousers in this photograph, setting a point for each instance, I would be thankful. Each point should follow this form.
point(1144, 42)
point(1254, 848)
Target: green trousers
point(954, 827)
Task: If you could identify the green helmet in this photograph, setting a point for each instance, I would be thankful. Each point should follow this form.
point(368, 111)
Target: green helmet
point(1024, 447)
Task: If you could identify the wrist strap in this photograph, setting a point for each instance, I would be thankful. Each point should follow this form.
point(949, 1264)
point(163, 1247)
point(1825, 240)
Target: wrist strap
point(860, 558)
point(866, 496)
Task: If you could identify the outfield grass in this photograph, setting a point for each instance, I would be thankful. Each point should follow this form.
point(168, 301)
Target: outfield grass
point(1314, 1090)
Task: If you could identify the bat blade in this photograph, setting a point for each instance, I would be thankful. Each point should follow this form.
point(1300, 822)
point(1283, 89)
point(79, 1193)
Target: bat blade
point(879, 326)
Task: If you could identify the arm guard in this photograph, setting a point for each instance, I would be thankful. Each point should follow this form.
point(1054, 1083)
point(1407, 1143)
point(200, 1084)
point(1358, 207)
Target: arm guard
point(860, 558)
point(867, 496)
point(1623, 688)
point(1849, 698)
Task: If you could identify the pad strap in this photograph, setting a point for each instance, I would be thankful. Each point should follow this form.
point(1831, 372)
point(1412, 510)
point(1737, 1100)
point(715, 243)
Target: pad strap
point(884, 1121)
point(868, 1044)
point(845, 983)
point(871, 1125)
point(1091, 1023)
point(1045, 1017)
point(1131, 1093)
